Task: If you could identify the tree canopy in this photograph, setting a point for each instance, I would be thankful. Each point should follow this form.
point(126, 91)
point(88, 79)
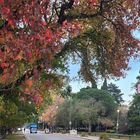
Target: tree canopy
point(88, 108)
point(101, 96)
point(116, 93)
point(36, 38)
point(134, 114)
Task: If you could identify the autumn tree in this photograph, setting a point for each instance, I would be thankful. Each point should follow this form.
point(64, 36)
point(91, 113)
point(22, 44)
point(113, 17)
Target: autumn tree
point(48, 114)
point(37, 37)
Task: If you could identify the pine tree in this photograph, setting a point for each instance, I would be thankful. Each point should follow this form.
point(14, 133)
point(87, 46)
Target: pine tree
point(104, 86)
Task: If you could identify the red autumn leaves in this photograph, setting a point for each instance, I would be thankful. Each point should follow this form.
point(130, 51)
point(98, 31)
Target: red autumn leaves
point(1, 2)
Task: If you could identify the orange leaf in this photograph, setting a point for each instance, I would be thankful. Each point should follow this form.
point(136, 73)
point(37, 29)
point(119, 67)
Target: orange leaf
point(29, 83)
point(1, 40)
point(4, 78)
point(19, 56)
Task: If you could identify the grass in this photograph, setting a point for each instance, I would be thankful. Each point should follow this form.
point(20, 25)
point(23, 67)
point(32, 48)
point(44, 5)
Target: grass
point(113, 135)
point(15, 137)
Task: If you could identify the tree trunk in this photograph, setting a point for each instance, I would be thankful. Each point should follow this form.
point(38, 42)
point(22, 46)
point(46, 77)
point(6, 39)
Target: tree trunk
point(89, 127)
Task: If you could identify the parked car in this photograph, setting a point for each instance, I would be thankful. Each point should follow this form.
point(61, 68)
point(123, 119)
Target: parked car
point(33, 128)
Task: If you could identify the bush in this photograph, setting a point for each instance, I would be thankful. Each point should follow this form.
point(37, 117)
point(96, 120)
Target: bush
point(89, 133)
point(104, 137)
point(110, 131)
point(84, 134)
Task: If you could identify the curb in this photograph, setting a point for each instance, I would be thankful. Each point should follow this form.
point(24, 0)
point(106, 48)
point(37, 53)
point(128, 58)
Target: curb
point(86, 138)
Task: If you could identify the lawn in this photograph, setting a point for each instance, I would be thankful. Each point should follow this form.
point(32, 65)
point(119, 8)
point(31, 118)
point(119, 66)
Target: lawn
point(113, 135)
point(15, 137)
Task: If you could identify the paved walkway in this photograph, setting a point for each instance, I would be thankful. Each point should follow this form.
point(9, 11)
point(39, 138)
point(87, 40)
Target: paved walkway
point(86, 138)
point(91, 137)
point(97, 138)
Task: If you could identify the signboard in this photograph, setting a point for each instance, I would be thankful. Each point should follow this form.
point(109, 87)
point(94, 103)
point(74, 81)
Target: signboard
point(138, 88)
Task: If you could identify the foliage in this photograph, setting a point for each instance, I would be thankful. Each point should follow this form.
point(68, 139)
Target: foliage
point(78, 111)
point(100, 96)
point(134, 110)
point(67, 91)
point(106, 122)
point(116, 93)
point(15, 113)
point(36, 38)
point(49, 112)
point(104, 86)
point(123, 118)
point(134, 114)
point(104, 137)
point(63, 115)
point(15, 137)
point(85, 108)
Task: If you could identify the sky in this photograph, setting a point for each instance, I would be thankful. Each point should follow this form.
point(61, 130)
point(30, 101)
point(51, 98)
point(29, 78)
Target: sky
point(125, 84)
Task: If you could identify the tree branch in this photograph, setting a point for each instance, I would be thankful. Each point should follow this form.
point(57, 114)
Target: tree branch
point(65, 6)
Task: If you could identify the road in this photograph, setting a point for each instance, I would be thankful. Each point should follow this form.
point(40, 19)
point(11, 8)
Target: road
point(42, 136)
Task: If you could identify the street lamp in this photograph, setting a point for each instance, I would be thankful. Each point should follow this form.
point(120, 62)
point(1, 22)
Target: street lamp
point(117, 125)
point(70, 122)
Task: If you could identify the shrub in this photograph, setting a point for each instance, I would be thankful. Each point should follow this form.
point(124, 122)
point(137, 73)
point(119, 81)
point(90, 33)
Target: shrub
point(83, 134)
point(104, 137)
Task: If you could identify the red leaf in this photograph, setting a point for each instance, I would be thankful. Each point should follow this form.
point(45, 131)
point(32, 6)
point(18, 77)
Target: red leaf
point(1, 1)
point(93, 2)
point(49, 34)
point(5, 10)
point(4, 77)
point(4, 65)
point(44, 23)
point(10, 22)
point(29, 55)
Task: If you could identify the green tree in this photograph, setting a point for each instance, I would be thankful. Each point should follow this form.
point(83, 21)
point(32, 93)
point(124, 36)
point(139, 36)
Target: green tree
point(66, 92)
point(86, 107)
point(116, 93)
point(88, 110)
point(82, 112)
point(134, 114)
point(134, 110)
point(15, 112)
point(101, 96)
point(104, 86)
point(62, 117)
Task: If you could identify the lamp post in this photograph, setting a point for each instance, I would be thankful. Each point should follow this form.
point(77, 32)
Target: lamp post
point(117, 125)
point(70, 122)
